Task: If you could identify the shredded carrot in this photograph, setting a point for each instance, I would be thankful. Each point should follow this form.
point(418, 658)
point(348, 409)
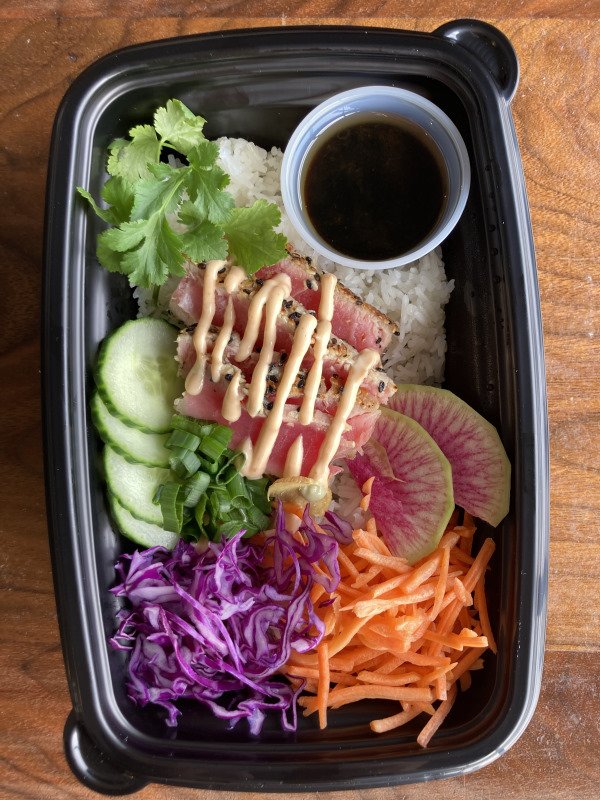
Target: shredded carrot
point(389, 680)
point(481, 606)
point(293, 508)
point(346, 562)
point(389, 723)
point(436, 720)
point(410, 634)
point(323, 687)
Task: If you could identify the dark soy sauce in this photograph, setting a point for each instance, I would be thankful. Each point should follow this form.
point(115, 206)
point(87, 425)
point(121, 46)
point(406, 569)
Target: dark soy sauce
point(374, 187)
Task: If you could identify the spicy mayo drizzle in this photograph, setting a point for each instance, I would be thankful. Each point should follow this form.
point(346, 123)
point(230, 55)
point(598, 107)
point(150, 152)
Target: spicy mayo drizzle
point(310, 331)
point(293, 461)
point(195, 378)
point(322, 337)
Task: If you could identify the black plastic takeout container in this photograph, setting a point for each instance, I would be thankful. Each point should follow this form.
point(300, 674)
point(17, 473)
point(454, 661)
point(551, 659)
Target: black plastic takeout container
point(258, 84)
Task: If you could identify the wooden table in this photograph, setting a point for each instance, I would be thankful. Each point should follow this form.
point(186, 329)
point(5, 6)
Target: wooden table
point(44, 44)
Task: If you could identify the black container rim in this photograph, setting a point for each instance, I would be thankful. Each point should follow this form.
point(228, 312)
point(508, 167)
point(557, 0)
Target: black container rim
point(494, 83)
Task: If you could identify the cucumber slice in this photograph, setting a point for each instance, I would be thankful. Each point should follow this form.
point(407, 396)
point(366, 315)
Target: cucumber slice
point(137, 376)
point(135, 485)
point(142, 533)
point(134, 445)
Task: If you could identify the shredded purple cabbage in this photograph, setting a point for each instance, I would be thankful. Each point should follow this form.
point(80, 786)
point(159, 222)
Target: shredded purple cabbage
point(216, 626)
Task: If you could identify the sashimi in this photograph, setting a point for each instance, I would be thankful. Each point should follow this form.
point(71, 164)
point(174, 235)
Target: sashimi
point(413, 505)
point(354, 321)
point(480, 466)
point(186, 305)
point(207, 405)
point(329, 392)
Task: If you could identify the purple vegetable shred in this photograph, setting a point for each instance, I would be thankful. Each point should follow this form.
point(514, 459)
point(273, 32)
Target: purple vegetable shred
point(216, 626)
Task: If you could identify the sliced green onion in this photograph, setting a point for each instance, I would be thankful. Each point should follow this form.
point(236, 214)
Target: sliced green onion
point(212, 467)
point(171, 506)
point(190, 532)
point(214, 445)
point(198, 428)
point(256, 518)
point(184, 463)
point(231, 527)
point(183, 439)
point(227, 462)
point(195, 488)
point(257, 490)
point(219, 504)
point(200, 513)
point(224, 475)
point(236, 487)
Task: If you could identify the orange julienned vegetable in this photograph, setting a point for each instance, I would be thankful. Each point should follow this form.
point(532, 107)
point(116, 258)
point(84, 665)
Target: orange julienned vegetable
point(410, 634)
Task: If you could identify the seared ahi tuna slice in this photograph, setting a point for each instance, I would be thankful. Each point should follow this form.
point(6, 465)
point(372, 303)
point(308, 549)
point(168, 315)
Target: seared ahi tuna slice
point(186, 304)
point(329, 392)
point(354, 321)
point(207, 405)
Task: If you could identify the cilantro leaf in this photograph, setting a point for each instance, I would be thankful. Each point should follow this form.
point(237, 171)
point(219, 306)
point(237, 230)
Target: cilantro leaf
point(204, 156)
point(252, 241)
point(119, 196)
point(179, 127)
point(130, 160)
point(103, 213)
point(205, 189)
point(162, 194)
point(109, 258)
point(158, 254)
point(202, 241)
point(144, 194)
point(126, 236)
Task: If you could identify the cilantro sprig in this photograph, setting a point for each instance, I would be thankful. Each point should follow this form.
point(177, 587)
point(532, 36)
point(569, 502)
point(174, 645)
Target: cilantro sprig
point(161, 214)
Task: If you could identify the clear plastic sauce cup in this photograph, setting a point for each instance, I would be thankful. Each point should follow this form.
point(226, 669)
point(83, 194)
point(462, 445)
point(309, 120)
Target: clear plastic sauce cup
point(384, 102)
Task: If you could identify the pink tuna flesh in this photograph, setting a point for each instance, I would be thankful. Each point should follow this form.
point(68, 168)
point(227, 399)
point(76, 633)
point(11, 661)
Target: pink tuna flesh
point(207, 406)
point(186, 304)
point(354, 321)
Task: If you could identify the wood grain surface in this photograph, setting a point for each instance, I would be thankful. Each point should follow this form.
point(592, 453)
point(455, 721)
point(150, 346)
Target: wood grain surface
point(43, 46)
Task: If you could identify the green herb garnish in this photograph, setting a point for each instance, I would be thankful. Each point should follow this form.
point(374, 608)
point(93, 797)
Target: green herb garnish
point(208, 496)
point(145, 196)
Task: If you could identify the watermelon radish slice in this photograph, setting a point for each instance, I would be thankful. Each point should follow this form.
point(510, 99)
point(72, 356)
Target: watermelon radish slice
point(413, 505)
point(480, 467)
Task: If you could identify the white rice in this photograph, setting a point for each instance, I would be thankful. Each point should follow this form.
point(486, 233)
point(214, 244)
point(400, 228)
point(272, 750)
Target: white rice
point(414, 296)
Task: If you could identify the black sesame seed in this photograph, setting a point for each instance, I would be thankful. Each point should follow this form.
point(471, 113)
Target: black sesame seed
point(288, 303)
point(295, 316)
point(301, 383)
point(396, 333)
point(259, 281)
point(268, 405)
point(312, 313)
point(358, 302)
point(308, 260)
point(222, 270)
point(333, 340)
point(229, 376)
point(381, 386)
point(247, 291)
point(378, 340)
point(283, 358)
